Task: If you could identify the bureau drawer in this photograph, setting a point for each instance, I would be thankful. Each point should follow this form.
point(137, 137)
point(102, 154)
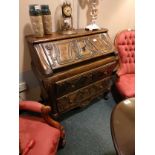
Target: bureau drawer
point(76, 98)
point(76, 82)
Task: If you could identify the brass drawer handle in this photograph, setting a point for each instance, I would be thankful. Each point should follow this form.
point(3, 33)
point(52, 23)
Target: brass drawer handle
point(84, 48)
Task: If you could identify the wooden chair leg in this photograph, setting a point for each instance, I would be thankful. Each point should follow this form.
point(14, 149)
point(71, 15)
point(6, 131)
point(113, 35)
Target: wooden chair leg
point(62, 143)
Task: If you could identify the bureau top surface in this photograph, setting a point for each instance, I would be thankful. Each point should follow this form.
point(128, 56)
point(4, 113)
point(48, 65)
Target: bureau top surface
point(58, 36)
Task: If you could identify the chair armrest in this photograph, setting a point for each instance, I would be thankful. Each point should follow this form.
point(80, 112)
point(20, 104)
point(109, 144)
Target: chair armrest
point(30, 105)
point(117, 74)
point(44, 110)
point(51, 122)
point(120, 71)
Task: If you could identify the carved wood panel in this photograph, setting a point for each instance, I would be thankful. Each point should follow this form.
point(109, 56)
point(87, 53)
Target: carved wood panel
point(65, 52)
point(76, 98)
point(73, 69)
point(81, 80)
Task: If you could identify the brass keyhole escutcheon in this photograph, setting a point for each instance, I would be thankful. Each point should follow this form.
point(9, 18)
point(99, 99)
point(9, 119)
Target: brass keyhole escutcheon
point(84, 48)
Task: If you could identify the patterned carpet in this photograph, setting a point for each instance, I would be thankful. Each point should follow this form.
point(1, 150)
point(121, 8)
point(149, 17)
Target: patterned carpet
point(88, 130)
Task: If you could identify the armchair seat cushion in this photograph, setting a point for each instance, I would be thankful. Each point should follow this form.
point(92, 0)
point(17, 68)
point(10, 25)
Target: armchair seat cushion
point(46, 139)
point(126, 85)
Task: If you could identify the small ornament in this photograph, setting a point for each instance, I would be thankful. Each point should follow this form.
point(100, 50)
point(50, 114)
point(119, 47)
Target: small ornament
point(67, 20)
point(93, 13)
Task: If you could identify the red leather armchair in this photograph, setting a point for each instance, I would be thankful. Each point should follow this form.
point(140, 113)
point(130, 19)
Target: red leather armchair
point(125, 45)
point(39, 135)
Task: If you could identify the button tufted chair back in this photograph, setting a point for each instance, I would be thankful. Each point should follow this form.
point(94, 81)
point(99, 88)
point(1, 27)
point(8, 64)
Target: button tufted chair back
point(125, 44)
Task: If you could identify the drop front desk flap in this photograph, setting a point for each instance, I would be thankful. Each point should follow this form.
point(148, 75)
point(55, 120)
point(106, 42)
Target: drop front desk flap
point(73, 69)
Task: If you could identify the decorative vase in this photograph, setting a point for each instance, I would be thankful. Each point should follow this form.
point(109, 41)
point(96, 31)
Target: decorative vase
point(93, 13)
point(36, 20)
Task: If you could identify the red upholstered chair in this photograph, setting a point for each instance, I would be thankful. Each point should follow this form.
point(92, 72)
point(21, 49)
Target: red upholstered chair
point(39, 135)
point(125, 45)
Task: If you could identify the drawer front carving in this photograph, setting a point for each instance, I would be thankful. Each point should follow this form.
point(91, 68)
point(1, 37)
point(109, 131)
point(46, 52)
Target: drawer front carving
point(81, 80)
point(75, 99)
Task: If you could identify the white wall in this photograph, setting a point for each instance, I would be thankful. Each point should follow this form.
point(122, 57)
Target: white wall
point(112, 14)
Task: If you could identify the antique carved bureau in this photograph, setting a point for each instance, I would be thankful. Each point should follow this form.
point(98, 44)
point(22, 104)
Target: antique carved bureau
point(73, 69)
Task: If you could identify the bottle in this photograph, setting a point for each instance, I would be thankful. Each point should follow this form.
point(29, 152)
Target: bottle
point(47, 19)
point(36, 20)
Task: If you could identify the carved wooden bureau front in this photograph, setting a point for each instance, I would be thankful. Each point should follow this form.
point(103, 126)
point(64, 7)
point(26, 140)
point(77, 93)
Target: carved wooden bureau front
point(73, 69)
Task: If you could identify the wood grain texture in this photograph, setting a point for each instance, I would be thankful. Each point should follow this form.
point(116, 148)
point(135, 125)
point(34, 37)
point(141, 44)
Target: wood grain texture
point(123, 127)
point(73, 69)
point(58, 36)
point(45, 113)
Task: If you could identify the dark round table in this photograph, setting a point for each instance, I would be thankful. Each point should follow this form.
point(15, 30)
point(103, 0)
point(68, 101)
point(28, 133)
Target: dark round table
point(123, 127)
